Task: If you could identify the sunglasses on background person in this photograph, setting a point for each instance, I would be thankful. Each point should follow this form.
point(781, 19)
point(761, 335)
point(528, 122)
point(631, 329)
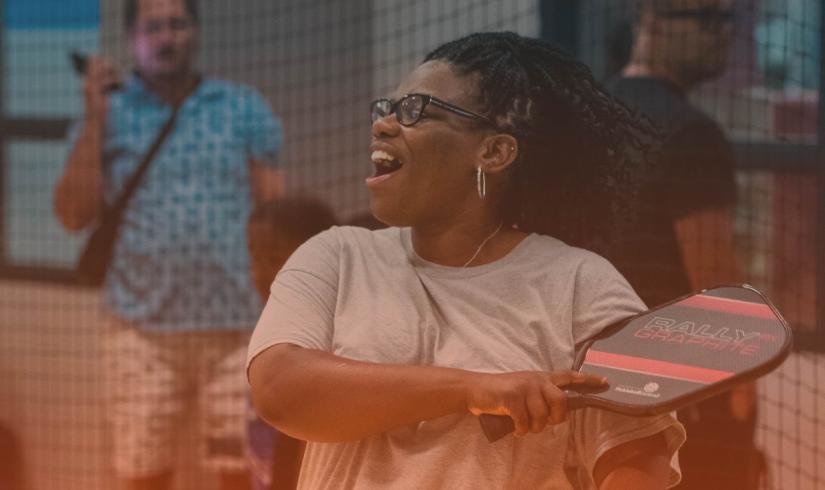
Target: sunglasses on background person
point(709, 17)
point(155, 26)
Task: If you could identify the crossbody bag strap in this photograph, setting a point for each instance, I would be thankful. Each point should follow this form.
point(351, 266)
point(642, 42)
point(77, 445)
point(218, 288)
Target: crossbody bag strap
point(133, 182)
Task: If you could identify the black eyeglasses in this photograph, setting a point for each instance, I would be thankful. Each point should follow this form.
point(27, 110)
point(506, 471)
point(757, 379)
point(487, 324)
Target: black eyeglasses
point(707, 16)
point(409, 108)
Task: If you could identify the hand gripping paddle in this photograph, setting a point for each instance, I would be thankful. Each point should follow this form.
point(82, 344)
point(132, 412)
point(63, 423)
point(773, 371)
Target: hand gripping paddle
point(677, 354)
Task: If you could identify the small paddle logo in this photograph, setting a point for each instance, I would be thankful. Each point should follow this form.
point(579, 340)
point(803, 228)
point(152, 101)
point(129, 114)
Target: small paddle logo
point(650, 390)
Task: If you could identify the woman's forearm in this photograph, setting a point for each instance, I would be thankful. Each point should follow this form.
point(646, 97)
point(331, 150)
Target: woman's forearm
point(317, 396)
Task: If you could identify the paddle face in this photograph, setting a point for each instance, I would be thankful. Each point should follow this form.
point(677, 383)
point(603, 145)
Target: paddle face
point(679, 353)
point(687, 350)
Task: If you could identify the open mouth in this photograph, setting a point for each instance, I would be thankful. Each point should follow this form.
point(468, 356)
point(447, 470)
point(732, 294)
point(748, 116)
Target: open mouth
point(384, 163)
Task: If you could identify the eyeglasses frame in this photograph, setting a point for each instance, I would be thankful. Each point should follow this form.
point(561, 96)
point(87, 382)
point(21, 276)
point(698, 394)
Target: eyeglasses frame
point(427, 100)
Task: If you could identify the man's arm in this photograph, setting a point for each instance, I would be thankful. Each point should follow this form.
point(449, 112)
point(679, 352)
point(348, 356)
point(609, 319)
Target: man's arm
point(706, 241)
point(702, 183)
point(267, 182)
point(78, 195)
point(642, 464)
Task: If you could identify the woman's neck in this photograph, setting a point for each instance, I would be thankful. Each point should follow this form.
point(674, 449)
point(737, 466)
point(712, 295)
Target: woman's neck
point(469, 243)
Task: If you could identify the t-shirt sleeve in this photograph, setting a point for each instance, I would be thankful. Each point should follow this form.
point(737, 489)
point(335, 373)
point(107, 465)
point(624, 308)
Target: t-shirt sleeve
point(603, 297)
point(262, 131)
point(699, 169)
point(596, 431)
point(301, 305)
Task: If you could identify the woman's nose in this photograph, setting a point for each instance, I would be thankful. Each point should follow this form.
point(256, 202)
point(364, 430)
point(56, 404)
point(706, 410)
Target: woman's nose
point(386, 126)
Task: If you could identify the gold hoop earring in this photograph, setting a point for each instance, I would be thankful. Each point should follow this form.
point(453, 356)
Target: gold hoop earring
point(481, 183)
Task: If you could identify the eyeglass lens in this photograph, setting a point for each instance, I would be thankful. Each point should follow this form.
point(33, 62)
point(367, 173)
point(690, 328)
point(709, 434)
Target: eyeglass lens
point(407, 110)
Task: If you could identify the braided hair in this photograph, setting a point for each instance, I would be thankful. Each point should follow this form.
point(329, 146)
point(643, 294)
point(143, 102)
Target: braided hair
point(574, 175)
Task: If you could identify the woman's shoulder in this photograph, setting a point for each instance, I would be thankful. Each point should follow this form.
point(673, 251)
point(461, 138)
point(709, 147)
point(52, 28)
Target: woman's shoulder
point(355, 239)
point(550, 248)
point(347, 234)
point(557, 258)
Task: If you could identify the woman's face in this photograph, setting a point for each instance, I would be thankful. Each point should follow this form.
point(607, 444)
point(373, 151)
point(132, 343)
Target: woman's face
point(436, 179)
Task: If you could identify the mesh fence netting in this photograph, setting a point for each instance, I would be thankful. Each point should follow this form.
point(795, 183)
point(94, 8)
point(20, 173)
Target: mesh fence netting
point(318, 65)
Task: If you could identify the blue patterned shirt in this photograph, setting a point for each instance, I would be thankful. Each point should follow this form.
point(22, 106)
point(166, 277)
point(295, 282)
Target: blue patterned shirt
point(181, 262)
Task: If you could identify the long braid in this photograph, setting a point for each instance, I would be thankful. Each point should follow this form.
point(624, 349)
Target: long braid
point(576, 142)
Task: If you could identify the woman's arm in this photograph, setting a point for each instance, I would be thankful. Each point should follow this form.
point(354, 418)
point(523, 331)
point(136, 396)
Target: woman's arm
point(642, 464)
point(316, 396)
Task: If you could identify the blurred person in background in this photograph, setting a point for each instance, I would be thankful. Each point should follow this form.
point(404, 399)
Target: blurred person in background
point(682, 237)
point(380, 348)
point(274, 231)
point(12, 471)
point(178, 288)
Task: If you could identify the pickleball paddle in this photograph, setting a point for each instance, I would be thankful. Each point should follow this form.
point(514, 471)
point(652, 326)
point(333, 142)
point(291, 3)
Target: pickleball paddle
point(677, 354)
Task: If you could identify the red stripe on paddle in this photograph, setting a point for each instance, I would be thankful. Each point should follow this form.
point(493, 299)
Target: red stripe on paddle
point(726, 305)
point(653, 367)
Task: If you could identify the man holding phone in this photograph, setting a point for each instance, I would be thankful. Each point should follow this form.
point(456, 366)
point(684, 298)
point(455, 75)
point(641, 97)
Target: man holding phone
point(177, 290)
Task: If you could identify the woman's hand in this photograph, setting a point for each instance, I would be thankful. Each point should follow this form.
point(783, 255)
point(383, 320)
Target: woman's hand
point(531, 398)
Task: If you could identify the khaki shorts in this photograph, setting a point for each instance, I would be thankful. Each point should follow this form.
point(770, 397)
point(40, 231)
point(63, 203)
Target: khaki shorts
point(156, 381)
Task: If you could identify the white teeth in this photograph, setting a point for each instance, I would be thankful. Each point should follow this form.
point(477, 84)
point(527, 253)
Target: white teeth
point(379, 156)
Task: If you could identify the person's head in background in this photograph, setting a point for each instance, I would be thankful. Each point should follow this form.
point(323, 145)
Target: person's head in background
point(683, 41)
point(550, 143)
point(276, 229)
point(162, 37)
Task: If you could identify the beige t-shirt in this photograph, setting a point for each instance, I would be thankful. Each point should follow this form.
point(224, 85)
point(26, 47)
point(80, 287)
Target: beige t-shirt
point(366, 295)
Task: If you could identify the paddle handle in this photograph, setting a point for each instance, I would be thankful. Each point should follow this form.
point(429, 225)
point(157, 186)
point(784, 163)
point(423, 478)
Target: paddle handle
point(497, 426)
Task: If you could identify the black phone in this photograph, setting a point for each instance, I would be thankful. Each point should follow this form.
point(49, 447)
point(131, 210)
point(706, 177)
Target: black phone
point(80, 61)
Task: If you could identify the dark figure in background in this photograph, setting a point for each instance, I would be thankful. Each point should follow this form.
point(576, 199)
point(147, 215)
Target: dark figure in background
point(381, 347)
point(12, 474)
point(274, 231)
point(682, 237)
point(178, 292)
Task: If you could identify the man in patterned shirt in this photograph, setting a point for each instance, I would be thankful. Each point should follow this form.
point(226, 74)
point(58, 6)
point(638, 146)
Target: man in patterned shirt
point(178, 290)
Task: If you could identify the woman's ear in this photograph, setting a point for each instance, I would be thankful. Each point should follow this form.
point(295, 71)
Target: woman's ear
point(498, 152)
